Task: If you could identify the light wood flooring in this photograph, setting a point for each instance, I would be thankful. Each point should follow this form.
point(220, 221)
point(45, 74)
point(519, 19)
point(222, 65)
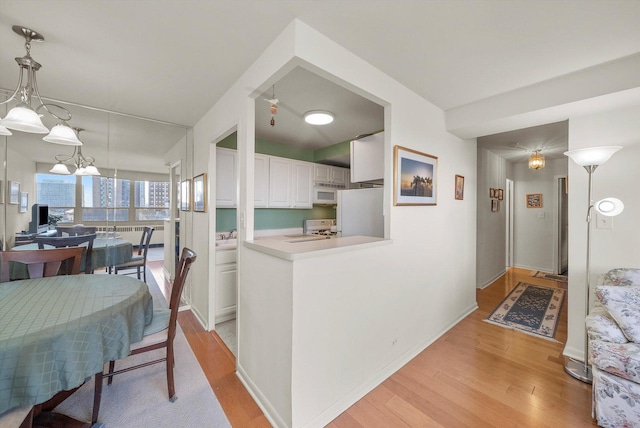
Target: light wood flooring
point(476, 375)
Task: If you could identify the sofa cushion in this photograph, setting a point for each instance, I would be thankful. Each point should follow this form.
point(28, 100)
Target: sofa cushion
point(601, 326)
point(623, 304)
point(619, 359)
point(622, 276)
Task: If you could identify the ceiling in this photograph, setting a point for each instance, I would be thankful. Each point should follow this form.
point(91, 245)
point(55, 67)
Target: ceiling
point(172, 60)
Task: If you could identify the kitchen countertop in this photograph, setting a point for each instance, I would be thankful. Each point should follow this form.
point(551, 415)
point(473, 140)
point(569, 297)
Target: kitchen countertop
point(303, 248)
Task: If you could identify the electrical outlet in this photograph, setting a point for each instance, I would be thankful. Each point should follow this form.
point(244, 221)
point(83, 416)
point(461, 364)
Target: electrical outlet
point(603, 221)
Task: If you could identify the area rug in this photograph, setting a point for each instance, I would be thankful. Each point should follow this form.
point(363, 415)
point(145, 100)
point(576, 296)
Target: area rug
point(531, 309)
point(561, 279)
point(139, 398)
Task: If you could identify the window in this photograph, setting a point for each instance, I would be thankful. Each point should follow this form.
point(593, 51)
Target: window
point(59, 192)
point(152, 200)
point(105, 199)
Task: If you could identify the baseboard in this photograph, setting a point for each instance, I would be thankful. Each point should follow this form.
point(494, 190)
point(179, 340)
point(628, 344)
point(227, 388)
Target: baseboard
point(573, 353)
point(488, 283)
point(269, 411)
point(199, 317)
point(541, 269)
point(350, 399)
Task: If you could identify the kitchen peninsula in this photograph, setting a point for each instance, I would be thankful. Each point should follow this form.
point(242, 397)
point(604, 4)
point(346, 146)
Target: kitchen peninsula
point(304, 322)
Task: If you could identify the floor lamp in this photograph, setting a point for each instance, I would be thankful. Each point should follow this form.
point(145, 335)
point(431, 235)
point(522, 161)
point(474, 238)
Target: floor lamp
point(590, 159)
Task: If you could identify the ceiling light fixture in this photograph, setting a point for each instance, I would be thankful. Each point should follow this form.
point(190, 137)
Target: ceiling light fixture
point(84, 165)
point(536, 160)
point(318, 117)
point(23, 117)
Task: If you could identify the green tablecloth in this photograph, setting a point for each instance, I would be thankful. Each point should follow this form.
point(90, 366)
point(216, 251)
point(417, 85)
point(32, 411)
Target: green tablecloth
point(57, 331)
point(106, 252)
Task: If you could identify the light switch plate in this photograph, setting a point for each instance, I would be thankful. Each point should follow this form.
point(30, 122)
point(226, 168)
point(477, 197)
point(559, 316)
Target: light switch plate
point(603, 221)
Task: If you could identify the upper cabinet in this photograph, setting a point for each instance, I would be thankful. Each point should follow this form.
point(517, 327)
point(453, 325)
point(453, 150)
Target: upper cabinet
point(302, 185)
point(290, 183)
point(226, 178)
point(367, 158)
point(261, 181)
point(330, 175)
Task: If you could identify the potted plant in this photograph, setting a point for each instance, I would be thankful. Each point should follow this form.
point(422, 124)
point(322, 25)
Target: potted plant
point(53, 220)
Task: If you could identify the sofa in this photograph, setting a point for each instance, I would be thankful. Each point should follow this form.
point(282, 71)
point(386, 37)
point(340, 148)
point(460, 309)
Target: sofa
point(613, 328)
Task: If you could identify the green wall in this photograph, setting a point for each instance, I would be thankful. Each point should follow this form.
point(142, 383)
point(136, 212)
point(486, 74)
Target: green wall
point(273, 218)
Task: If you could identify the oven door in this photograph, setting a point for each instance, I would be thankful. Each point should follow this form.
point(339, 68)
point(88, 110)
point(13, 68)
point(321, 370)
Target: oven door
point(325, 195)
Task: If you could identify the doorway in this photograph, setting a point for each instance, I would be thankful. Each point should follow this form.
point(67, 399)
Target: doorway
point(562, 262)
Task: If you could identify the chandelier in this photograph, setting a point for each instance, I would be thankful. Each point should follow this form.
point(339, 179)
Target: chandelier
point(83, 164)
point(536, 160)
point(23, 116)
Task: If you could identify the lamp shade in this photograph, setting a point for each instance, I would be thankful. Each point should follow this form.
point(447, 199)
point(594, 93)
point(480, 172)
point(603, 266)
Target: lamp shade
point(4, 131)
point(63, 134)
point(609, 206)
point(91, 170)
point(60, 168)
point(593, 155)
point(23, 118)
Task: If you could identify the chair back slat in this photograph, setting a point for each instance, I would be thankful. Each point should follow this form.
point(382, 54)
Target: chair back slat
point(184, 265)
point(145, 239)
point(75, 230)
point(71, 241)
point(42, 263)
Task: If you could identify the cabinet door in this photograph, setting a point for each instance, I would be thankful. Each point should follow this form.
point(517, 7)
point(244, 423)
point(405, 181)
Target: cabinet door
point(261, 181)
point(339, 175)
point(226, 292)
point(321, 173)
point(225, 178)
point(302, 182)
point(280, 176)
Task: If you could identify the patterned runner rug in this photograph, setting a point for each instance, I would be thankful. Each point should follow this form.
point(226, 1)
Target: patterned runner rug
point(531, 309)
point(561, 279)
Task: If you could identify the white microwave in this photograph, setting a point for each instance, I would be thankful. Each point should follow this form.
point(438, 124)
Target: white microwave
point(325, 195)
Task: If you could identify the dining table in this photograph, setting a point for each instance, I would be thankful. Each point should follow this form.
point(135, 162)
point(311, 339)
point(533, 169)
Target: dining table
point(56, 332)
point(106, 252)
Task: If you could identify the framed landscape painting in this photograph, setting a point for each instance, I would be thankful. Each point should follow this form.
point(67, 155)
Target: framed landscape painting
point(185, 195)
point(24, 202)
point(200, 193)
point(415, 177)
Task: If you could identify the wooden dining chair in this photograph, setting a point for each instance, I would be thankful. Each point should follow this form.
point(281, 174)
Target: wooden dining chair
point(159, 334)
point(139, 261)
point(42, 263)
point(75, 230)
point(71, 241)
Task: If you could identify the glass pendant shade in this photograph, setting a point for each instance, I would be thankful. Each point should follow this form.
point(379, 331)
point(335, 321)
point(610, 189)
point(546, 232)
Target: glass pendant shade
point(609, 206)
point(593, 155)
point(91, 170)
point(79, 171)
point(63, 134)
point(536, 161)
point(23, 118)
point(5, 131)
point(60, 168)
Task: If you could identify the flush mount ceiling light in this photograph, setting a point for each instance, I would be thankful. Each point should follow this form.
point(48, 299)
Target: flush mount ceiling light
point(23, 116)
point(84, 165)
point(536, 160)
point(318, 117)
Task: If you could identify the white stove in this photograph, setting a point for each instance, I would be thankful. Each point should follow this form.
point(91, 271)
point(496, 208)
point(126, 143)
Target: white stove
point(326, 227)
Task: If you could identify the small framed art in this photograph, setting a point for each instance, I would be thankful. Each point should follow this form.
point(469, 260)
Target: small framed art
point(200, 193)
point(185, 195)
point(534, 200)
point(415, 177)
point(500, 194)
point(14, 192)
point(24, 202)
point(459, 189)
point(495, 205)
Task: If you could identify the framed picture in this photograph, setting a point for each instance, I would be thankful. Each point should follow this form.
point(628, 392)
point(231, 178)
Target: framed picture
point(415, 177)
point(14, 192)
point(495, 205)
point(200, 193)
point(534, 200)
point(24, 202)
point(185, 195)
point(459, 187)
point(500, 194)
point(492, 193)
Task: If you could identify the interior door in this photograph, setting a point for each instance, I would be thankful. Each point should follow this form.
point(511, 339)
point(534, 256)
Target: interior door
point(563, 227)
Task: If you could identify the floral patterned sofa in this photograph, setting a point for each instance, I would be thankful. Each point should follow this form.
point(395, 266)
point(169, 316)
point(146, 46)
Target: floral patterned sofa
point(613, 327)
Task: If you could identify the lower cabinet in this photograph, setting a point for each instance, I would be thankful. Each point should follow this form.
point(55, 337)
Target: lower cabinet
point(226, 287)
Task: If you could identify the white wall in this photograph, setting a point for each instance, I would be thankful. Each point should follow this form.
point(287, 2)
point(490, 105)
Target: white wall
point(22, 170)
point(423, 282)
point(616, 178)
point(490, 245)
point(534, 227)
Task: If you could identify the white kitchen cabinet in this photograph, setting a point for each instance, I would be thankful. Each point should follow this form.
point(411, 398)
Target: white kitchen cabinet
point(302, 184)
point(226, 293)
point(226, 178)
point(321, 173)
point(339, 175)
point(261, 181)
point(367, 159)
point(280, 178)
point(333, 175)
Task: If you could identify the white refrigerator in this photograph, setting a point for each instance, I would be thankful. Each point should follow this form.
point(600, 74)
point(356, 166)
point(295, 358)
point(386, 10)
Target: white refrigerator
point(359, 212)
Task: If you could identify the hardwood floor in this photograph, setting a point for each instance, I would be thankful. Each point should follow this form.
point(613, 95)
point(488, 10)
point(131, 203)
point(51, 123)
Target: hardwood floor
point(476, 375)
